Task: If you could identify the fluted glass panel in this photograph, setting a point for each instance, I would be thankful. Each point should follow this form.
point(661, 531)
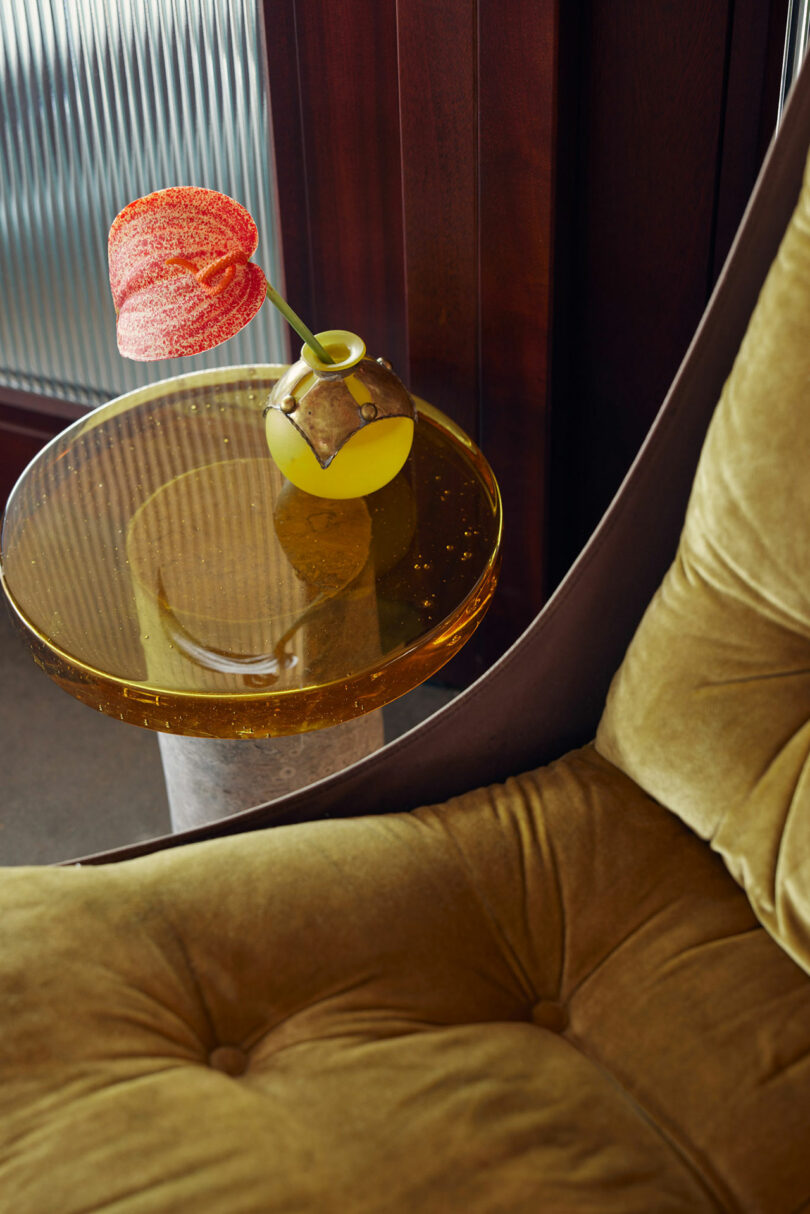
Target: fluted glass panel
point(797, 36)
point(104, 101)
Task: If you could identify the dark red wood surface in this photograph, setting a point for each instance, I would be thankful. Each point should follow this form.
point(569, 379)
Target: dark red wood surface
point(415, 153)
point(667, 123)
point(27, 423)
point(332, 69)
point(437, 98)
point(755, 50)
point(517, 86)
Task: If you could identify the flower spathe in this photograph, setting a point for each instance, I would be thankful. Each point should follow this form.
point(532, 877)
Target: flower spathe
point(180, 272)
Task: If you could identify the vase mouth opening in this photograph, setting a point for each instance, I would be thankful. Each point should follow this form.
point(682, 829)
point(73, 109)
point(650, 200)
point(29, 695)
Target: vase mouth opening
point(345, 348)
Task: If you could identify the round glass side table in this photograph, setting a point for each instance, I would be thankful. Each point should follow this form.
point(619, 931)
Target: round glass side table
point(164, 572)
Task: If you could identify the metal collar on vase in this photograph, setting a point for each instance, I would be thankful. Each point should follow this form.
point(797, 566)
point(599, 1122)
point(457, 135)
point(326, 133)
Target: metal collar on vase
point(329, 402)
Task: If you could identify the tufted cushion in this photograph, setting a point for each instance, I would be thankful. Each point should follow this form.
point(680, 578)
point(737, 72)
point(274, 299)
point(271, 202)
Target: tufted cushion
point(710, 711)
point(547, 995)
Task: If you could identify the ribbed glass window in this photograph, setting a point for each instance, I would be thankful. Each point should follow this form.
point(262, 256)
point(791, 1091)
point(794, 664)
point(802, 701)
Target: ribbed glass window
point(797, 37)
point(102, 101)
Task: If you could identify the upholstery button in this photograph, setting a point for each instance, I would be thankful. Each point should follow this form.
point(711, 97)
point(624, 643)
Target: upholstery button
point(229, 1059)
point(550, 1016)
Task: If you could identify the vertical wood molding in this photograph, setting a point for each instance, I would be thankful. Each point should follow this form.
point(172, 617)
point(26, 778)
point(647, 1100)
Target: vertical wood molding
point(651, 85)
point(438, 121)
point(290, 158)
point(517, 187)
point(419, 140)
point(332, 80)
point(27, 422)
point(478, 117)
point(755, 51)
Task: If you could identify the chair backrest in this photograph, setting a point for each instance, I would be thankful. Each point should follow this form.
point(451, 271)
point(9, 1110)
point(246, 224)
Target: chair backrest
point(546, 694)
point(710, 710)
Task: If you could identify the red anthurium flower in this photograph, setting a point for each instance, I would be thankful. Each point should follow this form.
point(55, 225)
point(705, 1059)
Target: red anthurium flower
point(180, 271)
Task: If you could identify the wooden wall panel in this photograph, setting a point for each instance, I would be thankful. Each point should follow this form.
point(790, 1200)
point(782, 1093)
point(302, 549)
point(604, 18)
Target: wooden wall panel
point(27, 423)
point(437, 98)
point(447, 254)
point(332, 70)
point(517, 86)
point(666, 113)
point(649, 141)
point(753, 79)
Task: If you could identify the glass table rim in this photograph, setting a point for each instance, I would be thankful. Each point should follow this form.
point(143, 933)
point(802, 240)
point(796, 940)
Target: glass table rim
point(189, 380)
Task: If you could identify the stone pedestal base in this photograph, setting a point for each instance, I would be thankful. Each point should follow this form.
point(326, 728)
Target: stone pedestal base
point(208, 779)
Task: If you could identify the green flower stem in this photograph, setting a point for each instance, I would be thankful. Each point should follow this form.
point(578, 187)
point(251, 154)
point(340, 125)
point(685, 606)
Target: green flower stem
point(297, 323)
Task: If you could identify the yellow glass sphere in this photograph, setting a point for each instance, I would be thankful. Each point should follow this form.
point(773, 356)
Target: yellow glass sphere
point(368, 460)
point(373, 453)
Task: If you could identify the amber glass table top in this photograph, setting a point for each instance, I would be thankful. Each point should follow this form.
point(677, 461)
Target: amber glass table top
point(165, 573)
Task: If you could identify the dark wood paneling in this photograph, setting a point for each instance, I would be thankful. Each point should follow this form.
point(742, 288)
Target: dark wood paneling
point(517, 162)
point(440, 166)
point(756, 47)
point(333, 91)
point(478, 149)
point(651, 141)
point(671, 103)
point(27, 423)
point(415, 148)
point(437, 100)
point(18, 446)
point(290, 160)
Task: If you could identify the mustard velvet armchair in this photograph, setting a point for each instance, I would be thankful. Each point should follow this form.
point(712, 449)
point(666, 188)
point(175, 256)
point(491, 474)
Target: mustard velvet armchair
point(577, 976)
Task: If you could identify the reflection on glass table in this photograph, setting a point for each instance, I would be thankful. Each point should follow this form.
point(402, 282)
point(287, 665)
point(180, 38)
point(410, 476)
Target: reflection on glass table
point(164, 572)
